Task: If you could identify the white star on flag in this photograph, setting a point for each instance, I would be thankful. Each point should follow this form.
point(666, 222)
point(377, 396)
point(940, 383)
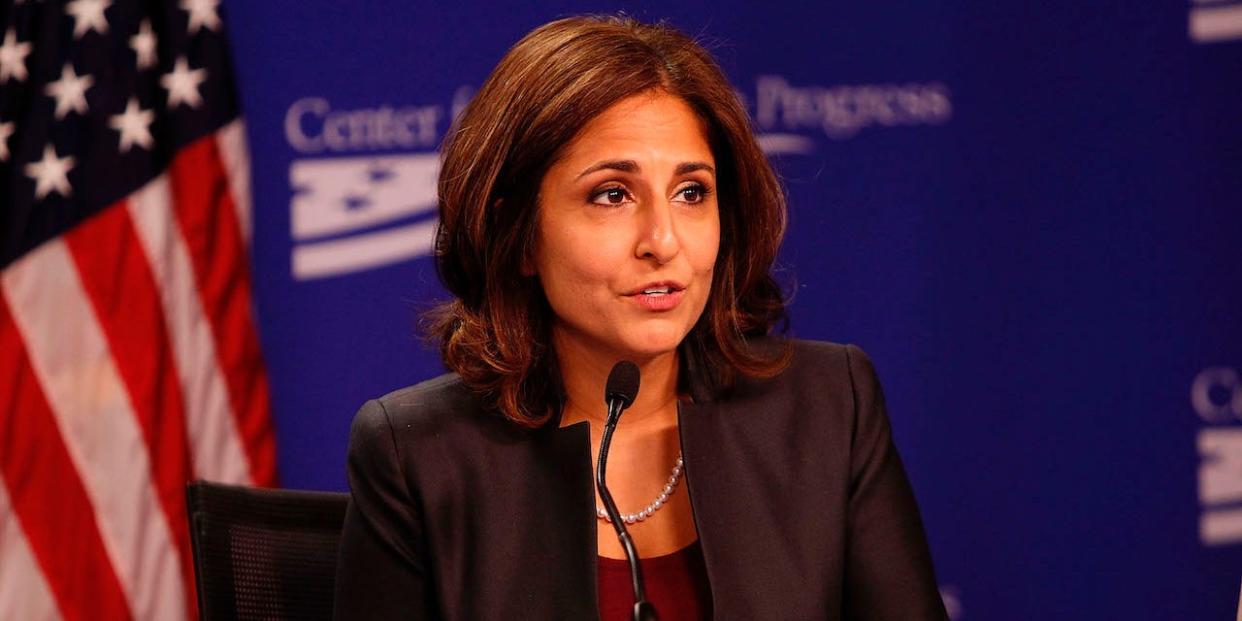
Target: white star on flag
point(88, 15)
point(6, 130)
point(51, 173)
point(70, 91)
point(134, 125)
point(143, 45)
point(13, 57)
point(182, 84)
point(202, 14)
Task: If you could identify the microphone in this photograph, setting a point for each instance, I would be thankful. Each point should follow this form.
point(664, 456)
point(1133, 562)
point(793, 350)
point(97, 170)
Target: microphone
point(619, 393)
point(621, 389)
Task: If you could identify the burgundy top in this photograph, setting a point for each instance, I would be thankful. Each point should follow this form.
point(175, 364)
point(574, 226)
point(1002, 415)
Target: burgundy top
point(676, 585)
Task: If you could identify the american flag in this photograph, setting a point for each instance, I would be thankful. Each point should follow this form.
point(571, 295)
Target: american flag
point(129, 360)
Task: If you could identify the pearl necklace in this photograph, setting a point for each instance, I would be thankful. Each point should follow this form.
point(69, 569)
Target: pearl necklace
point(655, 505)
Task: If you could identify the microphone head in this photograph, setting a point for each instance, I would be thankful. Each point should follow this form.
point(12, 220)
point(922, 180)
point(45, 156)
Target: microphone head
point(622, 384)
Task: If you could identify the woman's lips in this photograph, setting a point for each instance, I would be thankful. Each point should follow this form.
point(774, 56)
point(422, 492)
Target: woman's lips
point(658, 301)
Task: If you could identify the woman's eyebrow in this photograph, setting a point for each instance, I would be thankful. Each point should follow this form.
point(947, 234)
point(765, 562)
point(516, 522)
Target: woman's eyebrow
point(689, 167)
point(630, 166)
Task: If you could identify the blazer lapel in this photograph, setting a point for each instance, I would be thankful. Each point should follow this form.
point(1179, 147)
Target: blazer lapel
point(565, 519)
point(723, 454)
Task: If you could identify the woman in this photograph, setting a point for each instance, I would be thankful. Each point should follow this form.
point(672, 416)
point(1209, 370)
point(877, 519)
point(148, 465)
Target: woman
point(603, 198)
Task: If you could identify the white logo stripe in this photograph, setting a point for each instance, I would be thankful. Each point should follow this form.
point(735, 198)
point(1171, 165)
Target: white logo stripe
point(332, 258)
point(96, 419)
point(1209, 24)
point(24, 594)
point(214, 439)
point(779, 144)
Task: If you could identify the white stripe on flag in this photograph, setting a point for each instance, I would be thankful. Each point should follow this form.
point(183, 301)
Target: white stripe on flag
point(215, 443)
point(24, 594)
point(236, 159)
point(70, 356)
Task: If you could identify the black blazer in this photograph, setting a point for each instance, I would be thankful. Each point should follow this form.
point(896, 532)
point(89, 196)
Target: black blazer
point(801, 503)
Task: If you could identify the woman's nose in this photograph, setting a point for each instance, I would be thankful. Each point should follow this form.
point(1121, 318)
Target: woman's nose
point(658, 233)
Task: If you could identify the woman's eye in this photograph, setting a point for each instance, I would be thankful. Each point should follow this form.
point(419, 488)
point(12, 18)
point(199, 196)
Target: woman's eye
point(693, 193)
point(609, 196)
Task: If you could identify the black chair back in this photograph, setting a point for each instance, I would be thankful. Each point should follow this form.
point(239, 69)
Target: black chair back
point(264, 553)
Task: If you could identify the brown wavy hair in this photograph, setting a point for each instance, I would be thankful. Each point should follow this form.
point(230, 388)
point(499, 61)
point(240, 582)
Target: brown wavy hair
point(496, 333)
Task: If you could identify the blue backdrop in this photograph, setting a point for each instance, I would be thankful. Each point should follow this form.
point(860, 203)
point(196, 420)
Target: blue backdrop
point(1027, 214)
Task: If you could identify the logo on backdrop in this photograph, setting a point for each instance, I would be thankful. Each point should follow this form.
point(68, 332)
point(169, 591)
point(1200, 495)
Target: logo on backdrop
point(352, 211)
point(1215, 21)
point(356, 209)
point(787, 116)
point(1216, 396)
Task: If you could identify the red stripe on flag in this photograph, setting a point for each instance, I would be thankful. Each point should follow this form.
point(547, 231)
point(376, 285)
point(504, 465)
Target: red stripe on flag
point(47, 494)
point(204, 206)
point(123, 293)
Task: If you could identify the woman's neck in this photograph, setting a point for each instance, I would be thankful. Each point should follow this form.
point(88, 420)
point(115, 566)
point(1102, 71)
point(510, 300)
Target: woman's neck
point(584, 371)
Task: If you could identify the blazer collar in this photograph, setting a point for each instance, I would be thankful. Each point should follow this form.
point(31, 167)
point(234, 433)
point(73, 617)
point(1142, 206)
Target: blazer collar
point(695, 379)
point(571, 446)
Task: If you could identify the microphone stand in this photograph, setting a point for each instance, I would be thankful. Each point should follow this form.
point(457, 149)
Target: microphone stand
point(643, 610)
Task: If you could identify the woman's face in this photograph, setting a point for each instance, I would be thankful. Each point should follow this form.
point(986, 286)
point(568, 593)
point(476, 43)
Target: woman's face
point(628, 229)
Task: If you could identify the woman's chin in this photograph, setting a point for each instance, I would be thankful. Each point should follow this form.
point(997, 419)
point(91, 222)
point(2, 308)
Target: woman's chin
point(650, 344)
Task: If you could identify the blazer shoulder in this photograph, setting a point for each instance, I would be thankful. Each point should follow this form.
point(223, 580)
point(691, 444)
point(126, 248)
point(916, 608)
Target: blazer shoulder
point(831, 363)
point(817, 370)
point(838, 374)
point(442, 391)
point(439, 410)
point(807, 350)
